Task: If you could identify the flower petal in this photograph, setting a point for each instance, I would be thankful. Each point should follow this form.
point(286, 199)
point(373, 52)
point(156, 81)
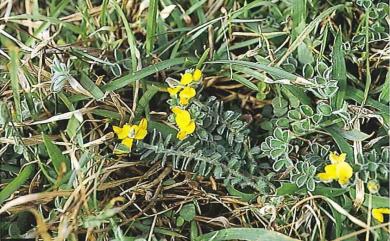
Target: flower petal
point(124, 132)
point(334, 158)
point(324, 177)
point(181, 135)
point(331, 171)
point(142, 130)
point(344, 170)
point(184, 101)
point(182, 117)
point(197, 75)
point(186, 79)
point(117, 129)
point(343, 181)
point(190, 128)
point(377, 214)
point(173, 91)
point(128, 142)
point(187, 92)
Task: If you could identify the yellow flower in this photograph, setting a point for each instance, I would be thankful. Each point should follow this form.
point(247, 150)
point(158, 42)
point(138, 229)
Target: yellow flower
point(184, 122)
point(186, 94)
point(197, 75)
point(122, 132)
point(173, 91)
point(142, 130)
point(373, 186)
point(377, 213)
point(128, 142)
point(186, 79)
point(339, 170)
point(334, 158)
point(128, 133)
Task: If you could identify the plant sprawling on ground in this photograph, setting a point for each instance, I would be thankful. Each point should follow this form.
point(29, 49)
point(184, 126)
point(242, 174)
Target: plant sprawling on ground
point(194, 120)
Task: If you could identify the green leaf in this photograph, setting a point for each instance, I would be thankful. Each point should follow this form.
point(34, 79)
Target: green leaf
point(304, 54)
point(341, 142)
point(384, 96)
point(4, 113)
point(143, 103)
point(246, 197)
point(17, 182)
point(151, 25)
point(354, 135)
point(152, 69)
point(292, 188)
point(188, 212)
point(339, 71)
point(307, 31)
point(243, 81)
point(58, 159)
point(324, 109)
point(91, 87)
point(13, 69)
point(251, 234)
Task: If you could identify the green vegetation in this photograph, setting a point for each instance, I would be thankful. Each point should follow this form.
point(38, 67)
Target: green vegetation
point(194, 120)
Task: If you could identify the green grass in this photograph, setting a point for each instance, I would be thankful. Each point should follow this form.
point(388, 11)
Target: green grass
point(284, 84)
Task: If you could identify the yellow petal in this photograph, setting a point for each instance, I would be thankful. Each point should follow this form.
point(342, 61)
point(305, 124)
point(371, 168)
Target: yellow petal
point(329, 174)
point(187, 92)
point(377, 214)
point(324, 177)
point(142, 130)
point(181, 135)
point(128, 142)
point(187, 130)
point(182, 117)
point(343, 181)
point(117, 129)
point(173, 91)
point(186, 79)
point(190, 128)
point(124, 132)
point(331, 171)
point(184, 101)
point(334, 158)
point(344, 170)
point(197, 75)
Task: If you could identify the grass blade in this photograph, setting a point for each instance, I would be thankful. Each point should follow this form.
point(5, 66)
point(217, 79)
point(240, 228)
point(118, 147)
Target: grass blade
point(151, 25)
point(14, 68)
point(339, 71)
point(59, 160)
point(152, 69)
point(18, 181)
point(252, 234)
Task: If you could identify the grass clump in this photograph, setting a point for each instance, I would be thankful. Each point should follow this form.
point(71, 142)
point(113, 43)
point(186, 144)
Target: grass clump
point(194, 120)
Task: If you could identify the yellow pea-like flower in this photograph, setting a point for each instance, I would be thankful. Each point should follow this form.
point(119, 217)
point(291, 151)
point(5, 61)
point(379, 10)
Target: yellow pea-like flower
point(329, 175)
point(186, 94)
point(334, 158)
point(186, 79)
point(188, 130)
point(343, 172)
point(339, 170)
point(173, 91)
point(377, 213)
point(122, 132)
point(130, 132)
point(142, 130)
point(184, 122)
point(197, 75)
point(373, 186)
point(128, 142)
